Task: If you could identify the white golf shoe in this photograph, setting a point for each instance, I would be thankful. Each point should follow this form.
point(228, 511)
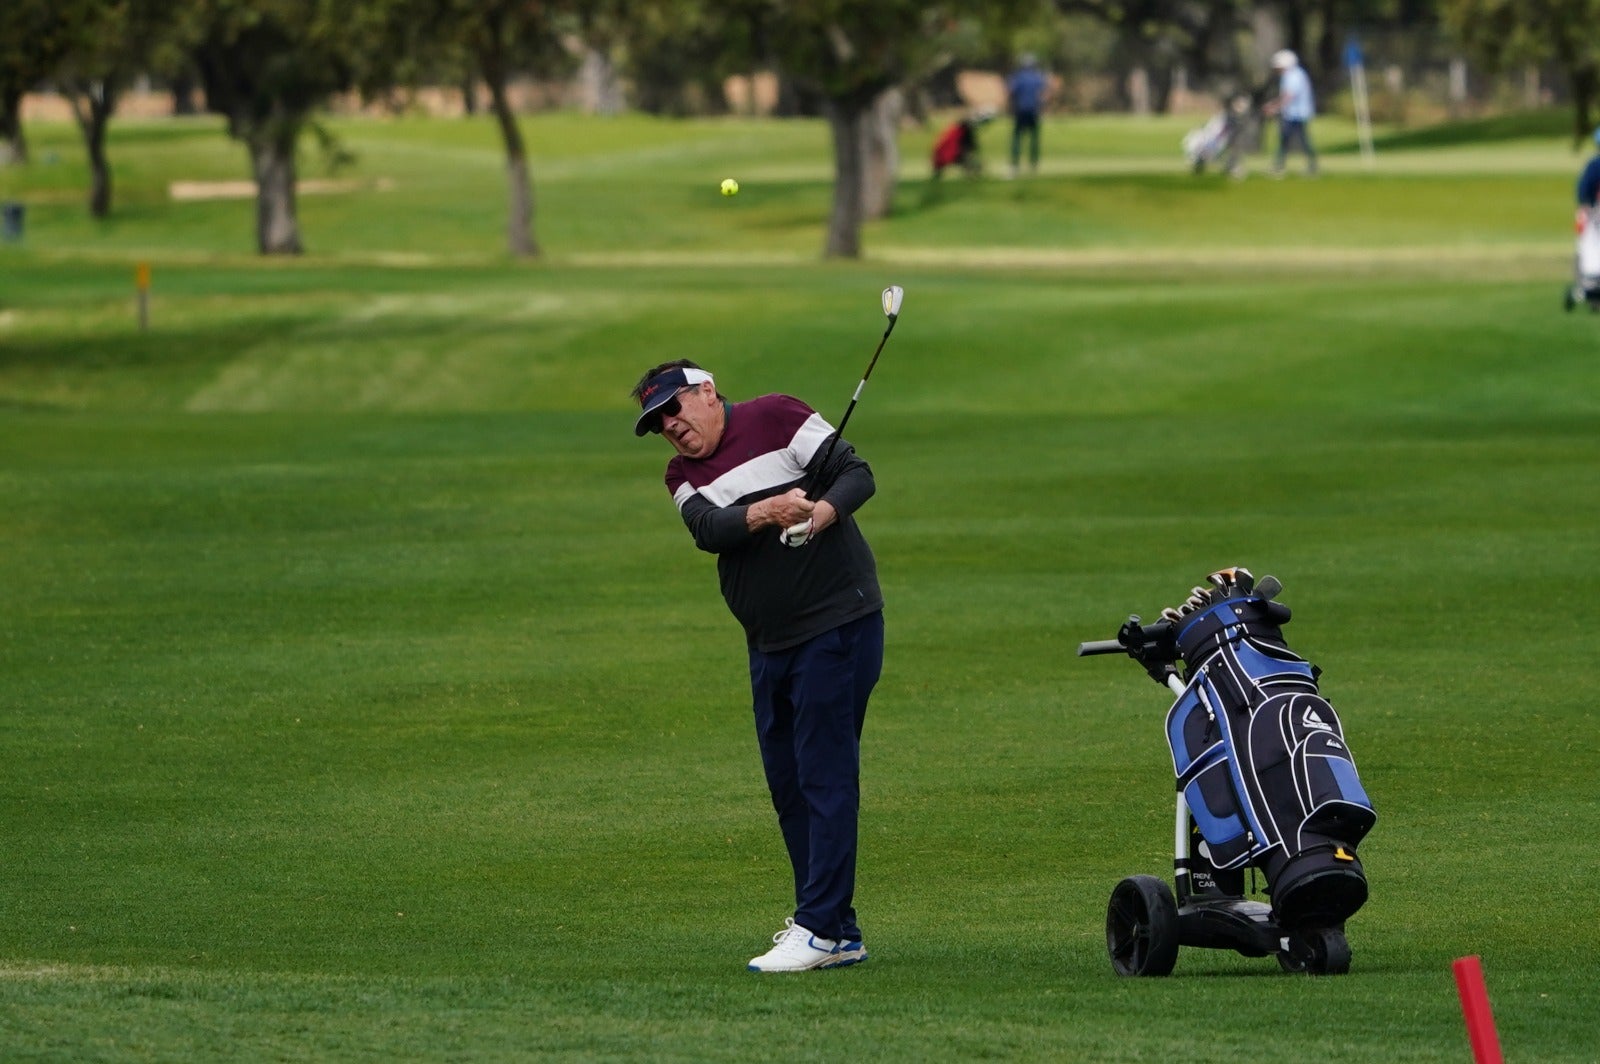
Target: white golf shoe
point(850, 951)
point(796, 949)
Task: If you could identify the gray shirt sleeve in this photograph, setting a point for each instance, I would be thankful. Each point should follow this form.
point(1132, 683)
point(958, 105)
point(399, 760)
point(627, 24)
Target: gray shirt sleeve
point(715, 528)
point(849, 479)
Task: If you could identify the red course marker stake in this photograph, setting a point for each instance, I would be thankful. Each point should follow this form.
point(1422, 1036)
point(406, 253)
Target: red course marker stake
point(1475, 1009)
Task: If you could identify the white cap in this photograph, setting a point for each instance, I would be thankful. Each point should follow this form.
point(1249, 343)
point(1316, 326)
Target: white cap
point(1283, 59)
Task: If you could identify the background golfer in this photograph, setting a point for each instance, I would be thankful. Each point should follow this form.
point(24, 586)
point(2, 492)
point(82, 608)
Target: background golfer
point(798, 575)
point(1294, 106)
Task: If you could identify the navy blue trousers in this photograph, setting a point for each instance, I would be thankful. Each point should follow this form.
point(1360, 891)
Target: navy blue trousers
point(1294, 134)
point(810, 703)
point(1025, 124)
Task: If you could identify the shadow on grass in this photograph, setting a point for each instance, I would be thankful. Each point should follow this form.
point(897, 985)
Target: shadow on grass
point(1054, 195)
point(164, 347)
point(936, 192)
point(1523, 125)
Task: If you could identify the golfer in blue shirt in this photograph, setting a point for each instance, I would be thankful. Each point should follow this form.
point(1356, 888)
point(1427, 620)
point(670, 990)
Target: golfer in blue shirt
point(1025, 97)
point(1589, 180)
point(1294, 107)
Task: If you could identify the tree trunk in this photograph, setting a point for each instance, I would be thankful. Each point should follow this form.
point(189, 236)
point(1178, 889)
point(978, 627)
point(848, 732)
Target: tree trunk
point(1294, 26)
point(1158, 83)
point(92, 106)
point(788, 101)
point(519, 182)
point(599, 86)
point(183, 95)
point(94, 137)
point(1197, 56)
point(1139, 90)
point(1330, 58)
point(1585, 83)
point(272, 159)
point(846, 119)
point(519, 208)
point(880, 154)
point(13, 145)
point(1265, 36)
point(795, 100)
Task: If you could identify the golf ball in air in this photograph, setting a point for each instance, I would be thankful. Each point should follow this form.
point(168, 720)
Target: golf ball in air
point(730, 187)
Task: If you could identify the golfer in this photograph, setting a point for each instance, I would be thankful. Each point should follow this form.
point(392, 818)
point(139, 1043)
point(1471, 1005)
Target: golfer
point(1294, 107)
point(1025, 93)
point(1589, 178)
point(798, 575)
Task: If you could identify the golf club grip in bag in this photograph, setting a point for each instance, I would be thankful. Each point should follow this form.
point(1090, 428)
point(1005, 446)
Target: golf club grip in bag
point(1261, 759)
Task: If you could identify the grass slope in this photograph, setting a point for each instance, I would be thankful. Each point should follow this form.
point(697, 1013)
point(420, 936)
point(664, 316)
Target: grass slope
point(365, 700)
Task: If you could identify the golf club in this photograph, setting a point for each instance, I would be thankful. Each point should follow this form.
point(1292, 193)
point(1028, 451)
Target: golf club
point(1244, 579)
point(798, 535)
point(891, 309)
point(1233, 580)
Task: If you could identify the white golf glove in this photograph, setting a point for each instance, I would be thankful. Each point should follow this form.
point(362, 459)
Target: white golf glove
point(799, 535)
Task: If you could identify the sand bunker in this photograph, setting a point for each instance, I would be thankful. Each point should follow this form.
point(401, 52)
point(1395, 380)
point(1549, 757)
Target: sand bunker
point(216, 190)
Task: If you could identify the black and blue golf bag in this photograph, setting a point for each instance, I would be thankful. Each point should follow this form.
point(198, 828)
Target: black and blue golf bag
point(1265, 783)
point(1261, 759)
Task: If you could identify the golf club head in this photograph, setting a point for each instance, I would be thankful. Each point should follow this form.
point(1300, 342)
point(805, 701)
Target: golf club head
point(1233, 580)
point(891, 301)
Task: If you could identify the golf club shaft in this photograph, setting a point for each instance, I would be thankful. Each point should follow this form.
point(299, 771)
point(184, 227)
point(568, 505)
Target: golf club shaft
point(857, 396)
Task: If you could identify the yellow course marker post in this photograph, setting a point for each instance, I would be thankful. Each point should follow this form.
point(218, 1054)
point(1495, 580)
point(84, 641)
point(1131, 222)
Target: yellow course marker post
point(141, 280)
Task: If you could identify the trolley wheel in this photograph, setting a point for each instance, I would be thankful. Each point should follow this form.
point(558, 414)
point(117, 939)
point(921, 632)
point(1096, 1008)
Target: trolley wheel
point(1316, 951)
point(1142, 927)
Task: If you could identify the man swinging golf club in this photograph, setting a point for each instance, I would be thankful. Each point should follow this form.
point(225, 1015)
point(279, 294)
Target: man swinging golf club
point(767, 486)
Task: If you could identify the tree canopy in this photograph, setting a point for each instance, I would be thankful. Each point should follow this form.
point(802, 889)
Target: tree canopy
point(268, 66)
point(850, 53)
point(1505, 33)
point(35, 35)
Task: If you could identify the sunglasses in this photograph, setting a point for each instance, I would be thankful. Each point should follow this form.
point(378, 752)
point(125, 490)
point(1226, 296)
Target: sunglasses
point(670, 408)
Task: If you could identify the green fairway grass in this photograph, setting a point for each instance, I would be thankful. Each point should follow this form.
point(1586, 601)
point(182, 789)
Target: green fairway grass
point(365, 699)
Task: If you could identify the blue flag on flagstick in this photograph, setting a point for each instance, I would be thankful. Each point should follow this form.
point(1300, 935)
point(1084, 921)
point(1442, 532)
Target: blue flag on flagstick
point(1352, 52)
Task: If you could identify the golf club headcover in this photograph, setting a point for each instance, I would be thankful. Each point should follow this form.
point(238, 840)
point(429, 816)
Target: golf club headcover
point(799, 535)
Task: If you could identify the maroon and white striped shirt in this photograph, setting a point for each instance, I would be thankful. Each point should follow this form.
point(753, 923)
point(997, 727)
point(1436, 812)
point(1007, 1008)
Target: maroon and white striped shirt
point(782, 596)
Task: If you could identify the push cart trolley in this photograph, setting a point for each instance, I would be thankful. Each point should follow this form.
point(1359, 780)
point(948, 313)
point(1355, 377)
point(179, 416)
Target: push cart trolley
point(1265, 785)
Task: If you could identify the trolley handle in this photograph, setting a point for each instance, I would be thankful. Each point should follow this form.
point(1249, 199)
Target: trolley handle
point(1154, 646)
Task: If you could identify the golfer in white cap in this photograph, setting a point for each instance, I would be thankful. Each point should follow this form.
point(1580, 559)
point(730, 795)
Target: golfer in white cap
point(1294, 107)
point(757, 486)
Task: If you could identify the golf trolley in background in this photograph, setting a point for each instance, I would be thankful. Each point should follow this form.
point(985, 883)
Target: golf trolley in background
point(1585, 286)
point(1265, 784)
point(1221, 140)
